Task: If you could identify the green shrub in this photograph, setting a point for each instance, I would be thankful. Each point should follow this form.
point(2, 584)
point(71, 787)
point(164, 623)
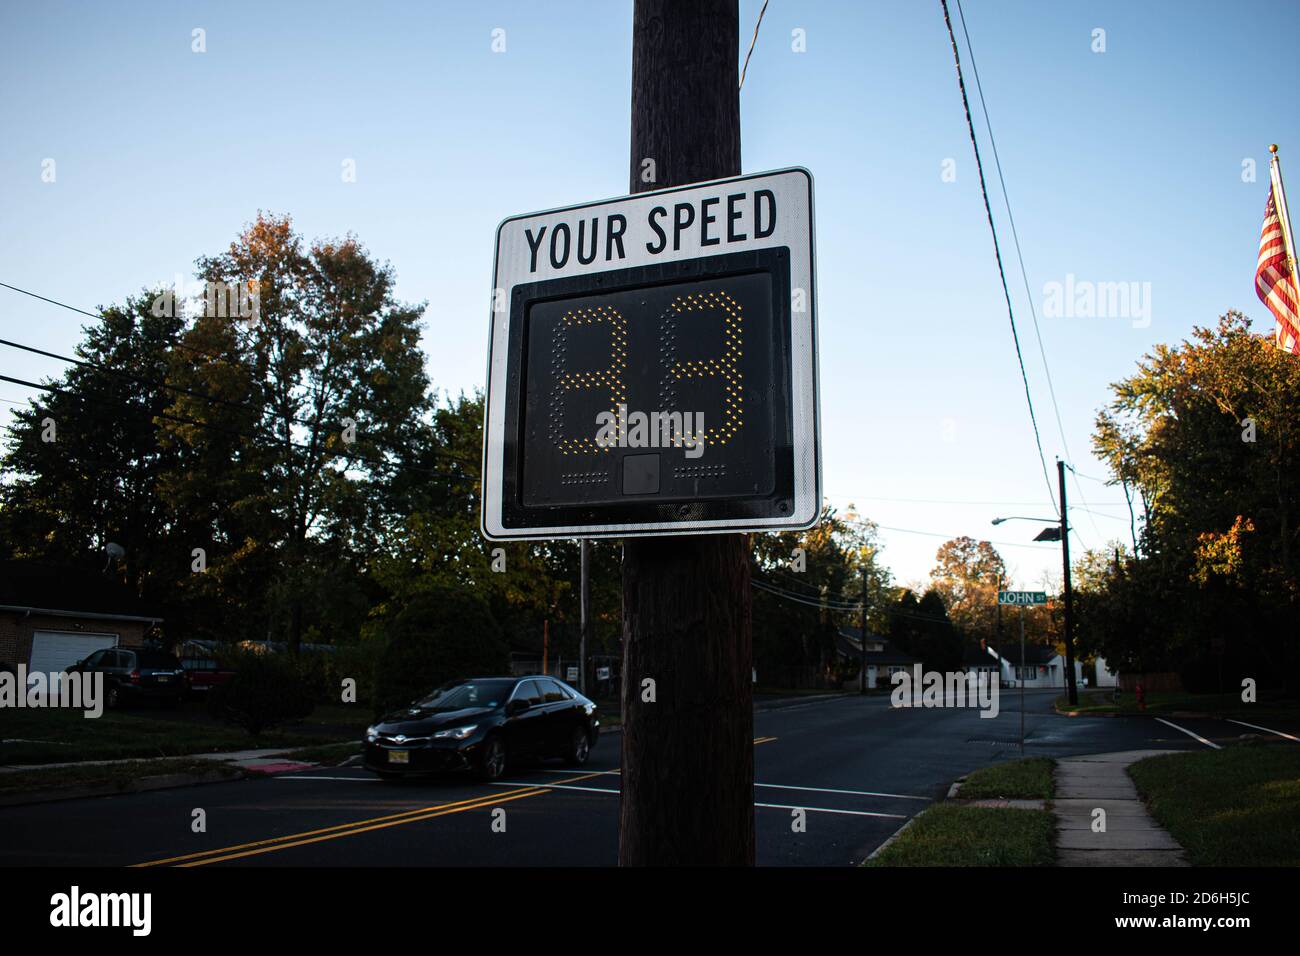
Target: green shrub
point(268, 689)
point(440, 635)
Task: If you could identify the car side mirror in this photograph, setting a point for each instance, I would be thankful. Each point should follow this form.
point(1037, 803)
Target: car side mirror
point(516, 706)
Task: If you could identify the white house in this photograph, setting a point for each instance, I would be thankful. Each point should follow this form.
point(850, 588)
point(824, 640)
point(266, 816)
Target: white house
point(1105, 676)
point(1042, 667)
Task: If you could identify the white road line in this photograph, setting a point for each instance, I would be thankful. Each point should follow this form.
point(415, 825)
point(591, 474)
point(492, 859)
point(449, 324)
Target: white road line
point(770, 806)
point(853, 813)
point(1208, 743)
point(856, 793)
point(1268, 729)
point(570, 772)
point(550, 786)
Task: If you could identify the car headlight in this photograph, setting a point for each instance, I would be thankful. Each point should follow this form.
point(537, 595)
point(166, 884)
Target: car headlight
point(371, 735)
point(456, 733)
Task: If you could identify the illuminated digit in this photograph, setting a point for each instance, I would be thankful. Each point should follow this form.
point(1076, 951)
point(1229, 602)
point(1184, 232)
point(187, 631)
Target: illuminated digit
point(611, 377)
point(727, 367)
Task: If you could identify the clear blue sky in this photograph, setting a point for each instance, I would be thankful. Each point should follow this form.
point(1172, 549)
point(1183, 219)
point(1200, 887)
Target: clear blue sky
point(1122, 166)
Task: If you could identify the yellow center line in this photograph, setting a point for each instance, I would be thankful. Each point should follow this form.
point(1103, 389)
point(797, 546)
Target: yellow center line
point(357, 826)
point(341, 826)
point(489, 801)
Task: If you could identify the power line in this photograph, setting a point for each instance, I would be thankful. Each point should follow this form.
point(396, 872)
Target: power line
point(957, 501)
point(938, 534)
point(1024, 273)
point(175, 343)
point(997, 252)
point(205, 396)
point(351, 456)
point(744, 68)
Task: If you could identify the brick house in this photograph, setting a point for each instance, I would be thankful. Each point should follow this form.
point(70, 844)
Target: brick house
point(52, 616)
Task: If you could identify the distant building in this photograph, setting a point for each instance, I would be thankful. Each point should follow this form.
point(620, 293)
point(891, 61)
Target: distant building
point(975, 659)
point(52, 616)
point(883, 658)
point(1043, 666)
point(1105, 676)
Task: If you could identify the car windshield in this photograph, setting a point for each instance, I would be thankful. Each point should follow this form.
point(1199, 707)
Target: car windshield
point(475, 693)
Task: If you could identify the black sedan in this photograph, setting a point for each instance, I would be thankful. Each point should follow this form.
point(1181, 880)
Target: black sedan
point(478, 724)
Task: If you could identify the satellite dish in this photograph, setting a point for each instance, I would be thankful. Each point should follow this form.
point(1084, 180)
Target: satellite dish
point(114, 551)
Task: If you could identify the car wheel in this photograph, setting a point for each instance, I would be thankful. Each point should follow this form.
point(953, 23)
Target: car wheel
point(492, 759)
point(579, 748)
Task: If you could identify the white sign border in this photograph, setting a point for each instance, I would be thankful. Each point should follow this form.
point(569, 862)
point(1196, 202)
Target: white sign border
point(806, 403)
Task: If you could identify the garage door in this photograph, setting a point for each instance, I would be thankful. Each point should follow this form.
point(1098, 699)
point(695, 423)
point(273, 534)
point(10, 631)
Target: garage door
point(55, 650)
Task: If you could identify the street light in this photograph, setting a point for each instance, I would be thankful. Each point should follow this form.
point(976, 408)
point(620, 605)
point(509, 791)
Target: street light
point(1062, 534)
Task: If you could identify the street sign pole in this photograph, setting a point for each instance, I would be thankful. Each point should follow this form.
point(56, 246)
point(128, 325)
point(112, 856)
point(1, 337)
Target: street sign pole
point(584, 613)
point(687, 794)
point(1022, 599)
point(1022, 680)
point(863, 682)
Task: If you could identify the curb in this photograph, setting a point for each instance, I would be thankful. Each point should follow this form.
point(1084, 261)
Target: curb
point(167, 781)
point(897, 833)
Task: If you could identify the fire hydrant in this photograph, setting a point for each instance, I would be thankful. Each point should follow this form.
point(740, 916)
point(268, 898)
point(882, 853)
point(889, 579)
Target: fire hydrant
point(1139, 692)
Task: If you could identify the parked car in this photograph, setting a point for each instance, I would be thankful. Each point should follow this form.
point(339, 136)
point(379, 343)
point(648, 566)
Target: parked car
point(136, 675)
point(202, 669)
point(479, 724)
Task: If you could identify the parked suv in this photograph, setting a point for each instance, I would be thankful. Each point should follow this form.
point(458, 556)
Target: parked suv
point(136, 675)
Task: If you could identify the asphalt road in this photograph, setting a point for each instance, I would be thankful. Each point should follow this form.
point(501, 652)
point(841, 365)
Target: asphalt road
point(856, 767)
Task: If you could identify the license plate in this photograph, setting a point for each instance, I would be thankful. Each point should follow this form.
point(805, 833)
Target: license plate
point(163, 678)
point(399, 756)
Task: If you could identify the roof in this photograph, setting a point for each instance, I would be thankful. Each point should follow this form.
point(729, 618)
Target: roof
point(1039, 654)
point(848, 642)
point(973, 655)
point(76, 591)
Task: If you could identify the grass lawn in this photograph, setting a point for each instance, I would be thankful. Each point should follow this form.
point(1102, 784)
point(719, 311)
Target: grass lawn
point(952, 835)
point(1029, 779)
point(1168, 702)
point(1239, 806)
point(118, 775)
point(58, 735)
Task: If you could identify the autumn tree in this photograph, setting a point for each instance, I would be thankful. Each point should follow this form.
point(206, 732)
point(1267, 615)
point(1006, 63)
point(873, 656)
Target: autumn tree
point(310, 407)
point(1205, 432)
point(967, 575)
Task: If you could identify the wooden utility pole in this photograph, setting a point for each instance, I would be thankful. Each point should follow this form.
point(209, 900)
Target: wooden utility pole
point(1071, 691)
point(688, 723)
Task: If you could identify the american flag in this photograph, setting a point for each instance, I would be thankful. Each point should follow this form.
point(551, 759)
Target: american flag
point(1274, 282)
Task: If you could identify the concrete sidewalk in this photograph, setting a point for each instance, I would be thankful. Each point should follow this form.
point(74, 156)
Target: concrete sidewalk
point(1131, 837)
point(245, 759)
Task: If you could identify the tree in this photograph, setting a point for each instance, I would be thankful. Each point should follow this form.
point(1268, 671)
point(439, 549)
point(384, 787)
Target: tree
point(321, 397)
point(86, 457)
point(921, 627)
point(444, 634)
point(820, 571)
point(967, 575)
point(1205, 433)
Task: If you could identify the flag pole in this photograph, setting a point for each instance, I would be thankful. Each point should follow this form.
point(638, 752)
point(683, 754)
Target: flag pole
point(1279, 198)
